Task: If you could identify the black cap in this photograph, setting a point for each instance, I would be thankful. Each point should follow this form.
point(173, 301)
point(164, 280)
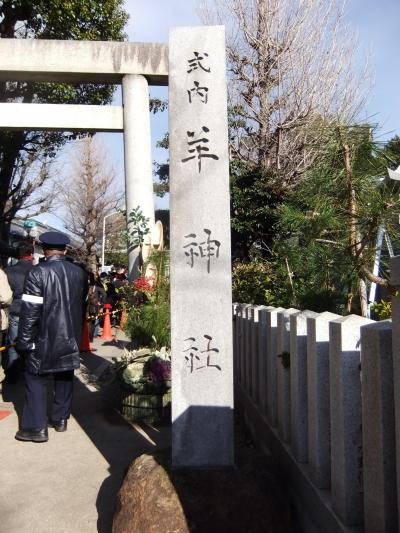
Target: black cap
point(54, 238)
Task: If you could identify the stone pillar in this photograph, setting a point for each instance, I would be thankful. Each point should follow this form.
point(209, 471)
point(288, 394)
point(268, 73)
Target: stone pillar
point(235, 326)
point(262, 357)
point(238, 341)
point(345, 405)
point(137, 154)
point(249, 348)
point(201, 303)
point(379, 448)
point(283, 373)
point(298, 385)
point(395, 281)
point(243, 345)
point(272, 337)
point(255, 371)
point(319, 444)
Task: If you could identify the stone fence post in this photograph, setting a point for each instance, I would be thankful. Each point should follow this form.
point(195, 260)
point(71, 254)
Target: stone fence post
point(247, 337)
point(272, 336)
point(263, 341)
point(395, 281)
point(235, 333)
point(243, 344)
point(298, 385)
point(345, 406)
point(253, 353)
point(379, 463)
point(283, 373)
point(319, 445)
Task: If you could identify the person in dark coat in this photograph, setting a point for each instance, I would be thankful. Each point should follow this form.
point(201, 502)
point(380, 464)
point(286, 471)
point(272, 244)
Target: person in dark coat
point(5, 301)
point(96, 299)
point(49, 335)
point(16, 278)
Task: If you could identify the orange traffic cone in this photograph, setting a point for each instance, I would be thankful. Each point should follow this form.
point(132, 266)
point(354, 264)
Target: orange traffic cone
point(85, 342)
point(122, 322)
point(107, 333)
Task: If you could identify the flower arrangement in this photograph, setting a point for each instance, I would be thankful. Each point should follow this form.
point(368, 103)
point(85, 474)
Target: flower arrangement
point(143, 371)
point(140, 291)
point(144, 284)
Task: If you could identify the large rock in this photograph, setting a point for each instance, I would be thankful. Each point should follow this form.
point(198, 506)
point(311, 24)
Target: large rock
point(248, 498)
point(147, 501)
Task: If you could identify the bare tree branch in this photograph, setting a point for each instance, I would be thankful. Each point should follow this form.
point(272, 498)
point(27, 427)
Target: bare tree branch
point(291, 65)
point(89, 194)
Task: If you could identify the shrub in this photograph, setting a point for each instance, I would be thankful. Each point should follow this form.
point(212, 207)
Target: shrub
point(382, 309)
point(149, 325)
point(321, 300)
point(252, 283)
point(148, 320)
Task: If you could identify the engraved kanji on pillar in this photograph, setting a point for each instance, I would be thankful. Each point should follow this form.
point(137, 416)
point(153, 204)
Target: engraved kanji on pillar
point(201, 325)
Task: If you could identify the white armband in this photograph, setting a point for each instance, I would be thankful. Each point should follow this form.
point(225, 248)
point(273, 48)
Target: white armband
point(32, 299)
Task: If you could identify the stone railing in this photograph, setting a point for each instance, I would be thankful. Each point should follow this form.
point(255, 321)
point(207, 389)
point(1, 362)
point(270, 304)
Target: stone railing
point(317, 391)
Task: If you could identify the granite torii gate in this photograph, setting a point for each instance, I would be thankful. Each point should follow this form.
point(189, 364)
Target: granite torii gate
point(193, 66)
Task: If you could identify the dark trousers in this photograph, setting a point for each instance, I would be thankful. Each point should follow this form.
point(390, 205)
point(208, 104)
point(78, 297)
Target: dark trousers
point(34, 415)
point(12, 354)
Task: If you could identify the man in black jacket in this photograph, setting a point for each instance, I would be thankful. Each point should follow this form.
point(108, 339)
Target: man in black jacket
point(16, 275)
point(49, 334)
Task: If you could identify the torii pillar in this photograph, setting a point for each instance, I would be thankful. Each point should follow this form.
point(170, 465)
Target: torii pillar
point(137, 154)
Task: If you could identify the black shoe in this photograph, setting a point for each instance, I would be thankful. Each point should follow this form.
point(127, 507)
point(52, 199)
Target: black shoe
point(60, 425)
point(33, 435)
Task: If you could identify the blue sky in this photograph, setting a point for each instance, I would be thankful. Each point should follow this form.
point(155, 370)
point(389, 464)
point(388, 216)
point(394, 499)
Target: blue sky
point(375, 21)
point(150, 22)
point(377, 24)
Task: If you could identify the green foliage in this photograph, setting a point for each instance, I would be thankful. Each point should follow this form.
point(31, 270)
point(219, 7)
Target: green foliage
point(161, 187)
point(48, 19)
point(312, 259)
point(127, 295)
point(116, 258)
point(65, 19)
point(149, 325)
point(159, 261)
point(138, 227)
point(382, 309)
point(254, 199)
point(328, 225)
point(91, 20)
point(391, 151)
point(252, 283)
point(158, 106)
point(320, 277)
point(148, 301)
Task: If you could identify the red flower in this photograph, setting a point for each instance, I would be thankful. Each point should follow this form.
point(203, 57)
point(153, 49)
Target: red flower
point(144, 284)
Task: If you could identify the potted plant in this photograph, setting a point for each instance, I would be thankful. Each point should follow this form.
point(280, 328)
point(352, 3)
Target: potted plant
point(144, 376)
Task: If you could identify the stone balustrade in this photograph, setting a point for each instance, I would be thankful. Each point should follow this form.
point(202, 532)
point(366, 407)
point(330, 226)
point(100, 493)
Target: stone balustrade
point(317, 391)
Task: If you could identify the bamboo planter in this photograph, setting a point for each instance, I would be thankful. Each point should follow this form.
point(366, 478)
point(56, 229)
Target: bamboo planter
point(148, 408)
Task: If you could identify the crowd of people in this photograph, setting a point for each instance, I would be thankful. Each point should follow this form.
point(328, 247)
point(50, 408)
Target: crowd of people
point(42, 311)
point(104, 289)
